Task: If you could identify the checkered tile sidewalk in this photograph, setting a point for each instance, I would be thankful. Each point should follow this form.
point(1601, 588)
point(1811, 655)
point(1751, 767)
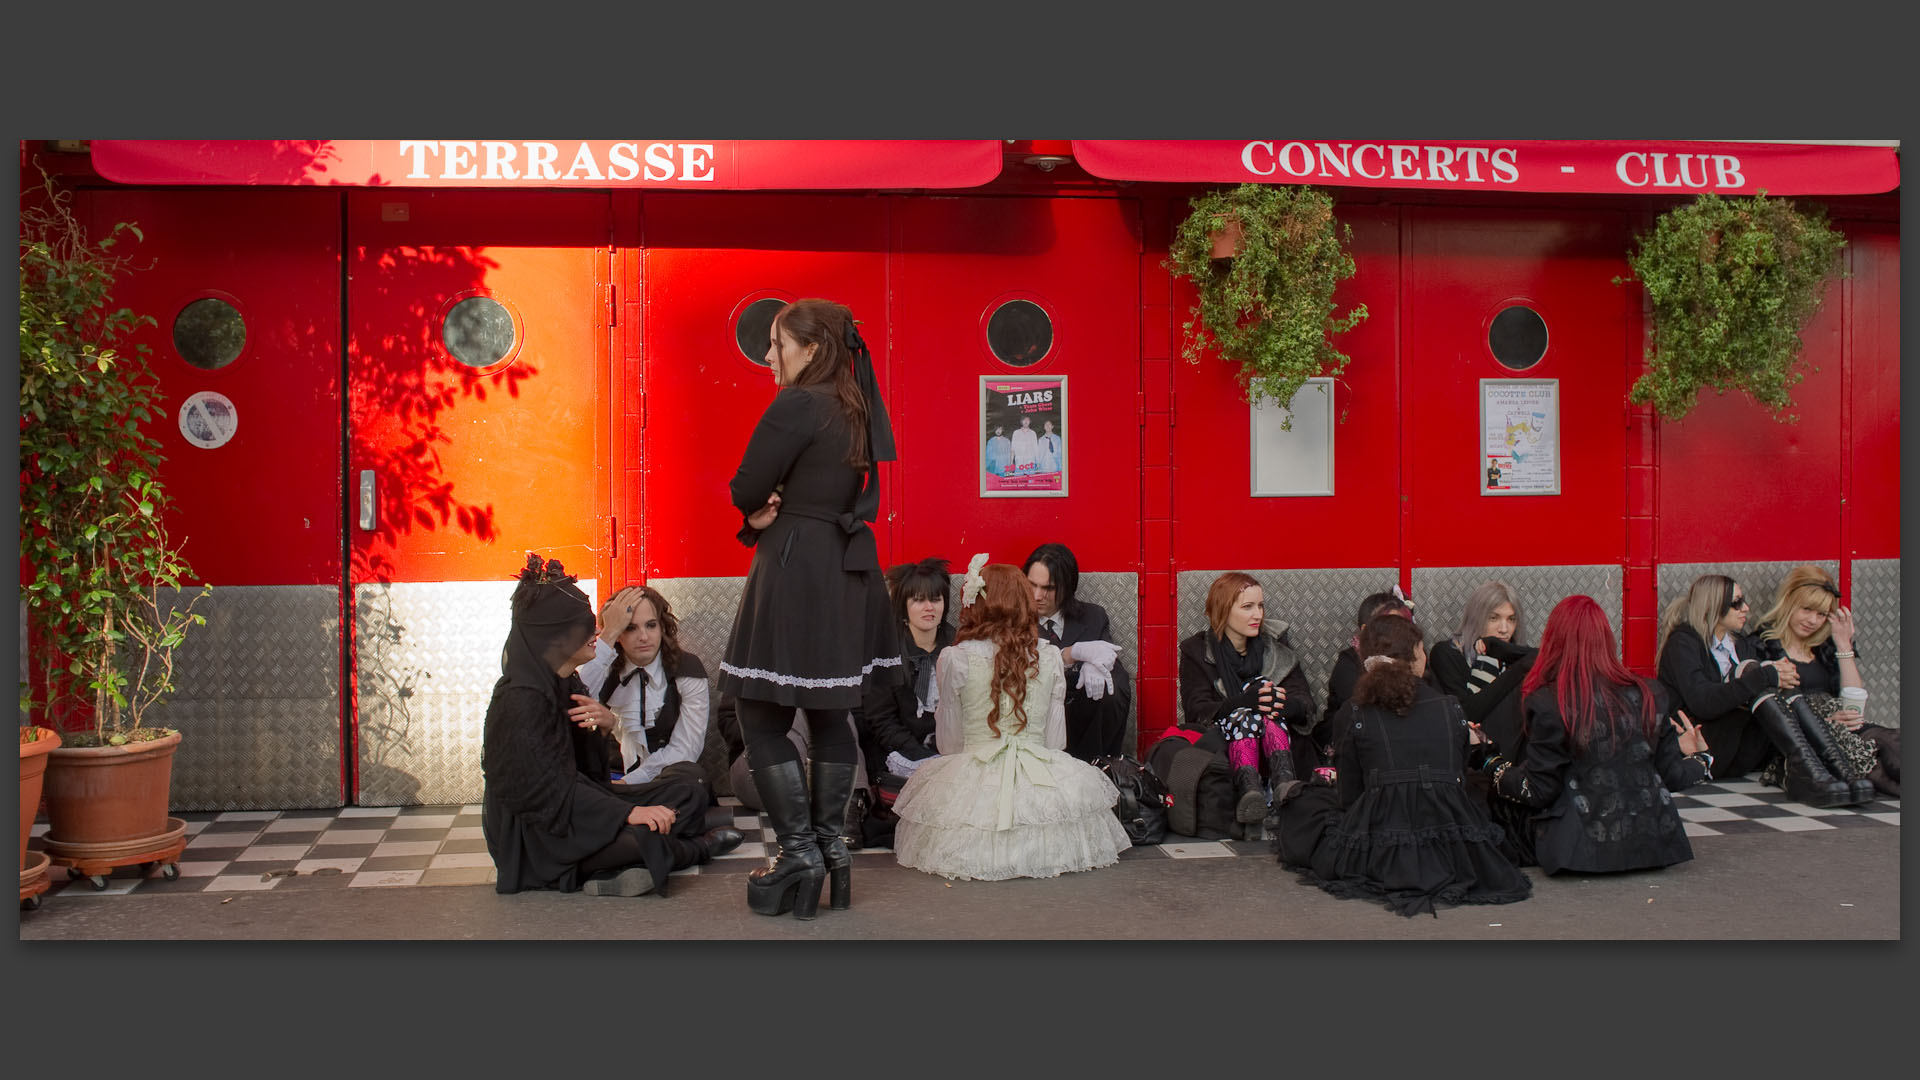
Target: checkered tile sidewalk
point(384, 847)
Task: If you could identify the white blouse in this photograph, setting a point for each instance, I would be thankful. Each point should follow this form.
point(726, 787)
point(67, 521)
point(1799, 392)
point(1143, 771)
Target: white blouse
point(689, 732)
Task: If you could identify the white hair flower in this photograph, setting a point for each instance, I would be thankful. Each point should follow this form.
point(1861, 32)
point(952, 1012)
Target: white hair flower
point(973, 582)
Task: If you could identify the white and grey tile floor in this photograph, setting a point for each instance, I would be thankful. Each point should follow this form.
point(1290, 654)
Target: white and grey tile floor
point(403, 847)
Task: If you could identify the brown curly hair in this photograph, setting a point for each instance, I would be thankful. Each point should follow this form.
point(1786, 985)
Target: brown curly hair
point(1003, 613)
point(1392, 683)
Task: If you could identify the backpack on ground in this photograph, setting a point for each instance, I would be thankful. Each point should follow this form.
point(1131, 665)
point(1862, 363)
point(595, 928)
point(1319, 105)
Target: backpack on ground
point(1142, 807)
point(1199, 785)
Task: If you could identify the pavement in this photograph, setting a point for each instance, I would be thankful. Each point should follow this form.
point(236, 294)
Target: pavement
point(1763, 868)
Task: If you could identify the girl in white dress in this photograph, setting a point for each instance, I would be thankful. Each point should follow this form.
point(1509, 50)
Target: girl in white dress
point(1004, 799)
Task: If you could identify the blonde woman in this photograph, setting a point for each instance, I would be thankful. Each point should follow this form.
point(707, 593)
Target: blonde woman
point(1808, 626)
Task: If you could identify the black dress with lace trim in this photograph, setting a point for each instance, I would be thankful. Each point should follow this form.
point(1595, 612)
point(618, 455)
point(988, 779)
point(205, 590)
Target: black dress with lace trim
point(1400, 827)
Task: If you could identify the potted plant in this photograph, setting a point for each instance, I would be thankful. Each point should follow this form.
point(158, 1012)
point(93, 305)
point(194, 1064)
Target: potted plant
point(1730, 284)
point(34, 743)
point(1265, 260)
point(105, 605)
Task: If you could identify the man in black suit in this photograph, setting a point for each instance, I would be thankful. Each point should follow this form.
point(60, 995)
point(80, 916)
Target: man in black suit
point(1096, 725)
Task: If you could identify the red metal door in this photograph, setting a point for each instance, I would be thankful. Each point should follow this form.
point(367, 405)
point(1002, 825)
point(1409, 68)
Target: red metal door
point(961, 261)
point(246, 288)
point(708, 260)
point(477, 364)
point(1465, 268)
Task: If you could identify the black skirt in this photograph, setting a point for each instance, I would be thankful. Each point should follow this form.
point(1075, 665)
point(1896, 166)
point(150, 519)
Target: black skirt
point(808, 632)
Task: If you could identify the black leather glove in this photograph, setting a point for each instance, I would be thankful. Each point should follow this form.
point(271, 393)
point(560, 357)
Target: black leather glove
point(1507, 652)
point(1245, 699)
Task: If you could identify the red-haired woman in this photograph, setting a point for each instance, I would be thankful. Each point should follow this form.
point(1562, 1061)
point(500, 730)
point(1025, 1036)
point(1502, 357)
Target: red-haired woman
point(814, 619)
point(1398, 827)
point(1600, 763)
point(1004, 799)
point(1240, 679)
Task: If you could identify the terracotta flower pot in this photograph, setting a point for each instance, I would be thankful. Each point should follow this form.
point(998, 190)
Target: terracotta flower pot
point(33, 767)
point(108, 794)
point(1226, 242)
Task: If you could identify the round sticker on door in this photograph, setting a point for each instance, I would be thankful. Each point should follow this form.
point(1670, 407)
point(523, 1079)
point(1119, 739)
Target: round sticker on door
point(208, 419)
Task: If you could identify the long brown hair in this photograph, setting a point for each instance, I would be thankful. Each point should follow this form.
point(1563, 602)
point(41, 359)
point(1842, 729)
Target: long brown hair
point(825, 323)
point(1390, 683)
point(669, 636)
point(1003, 614)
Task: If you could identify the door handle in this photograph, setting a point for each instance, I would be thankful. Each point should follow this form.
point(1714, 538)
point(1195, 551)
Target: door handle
point(368, 514)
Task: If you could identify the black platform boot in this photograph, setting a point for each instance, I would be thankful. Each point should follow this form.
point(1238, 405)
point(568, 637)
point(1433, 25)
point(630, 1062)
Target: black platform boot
point(792, 882)
point(1807, 778)
point(1249, 801)
point(832, 792)
point(1820, 737)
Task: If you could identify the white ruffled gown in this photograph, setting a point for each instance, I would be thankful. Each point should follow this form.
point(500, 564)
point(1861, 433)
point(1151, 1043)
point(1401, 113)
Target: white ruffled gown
point(992, 807)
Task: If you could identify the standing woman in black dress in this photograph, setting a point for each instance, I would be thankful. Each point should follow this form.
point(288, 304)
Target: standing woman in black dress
point(814, 619)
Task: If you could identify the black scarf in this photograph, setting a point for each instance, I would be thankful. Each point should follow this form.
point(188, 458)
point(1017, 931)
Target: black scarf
point(1237, 670)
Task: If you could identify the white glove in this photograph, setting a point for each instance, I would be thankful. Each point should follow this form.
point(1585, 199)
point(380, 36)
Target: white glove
point(900, 766)
point(1099, 653)
point(1097, 681)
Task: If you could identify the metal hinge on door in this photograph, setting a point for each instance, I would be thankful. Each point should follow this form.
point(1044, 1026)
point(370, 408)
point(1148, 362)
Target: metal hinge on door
point(613, 537)
point(613, 304)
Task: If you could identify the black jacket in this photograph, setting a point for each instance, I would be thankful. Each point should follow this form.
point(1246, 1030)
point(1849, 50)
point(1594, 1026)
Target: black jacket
point(1609, 807)
point(1496, 706)
point(890, 719)
point(1203, 694)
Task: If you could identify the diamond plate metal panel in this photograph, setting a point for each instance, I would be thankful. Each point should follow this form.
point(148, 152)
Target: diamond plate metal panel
point(428, 654)
point(1119, 593)
point(1759, 579)
point(1317, 606)
point(706, 608)
point(258, 700)
point(1441, 594)
point(1876, 612)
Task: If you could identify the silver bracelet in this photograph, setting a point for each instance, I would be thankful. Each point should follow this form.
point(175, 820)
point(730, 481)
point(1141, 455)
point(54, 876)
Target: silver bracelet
point(1848, 655)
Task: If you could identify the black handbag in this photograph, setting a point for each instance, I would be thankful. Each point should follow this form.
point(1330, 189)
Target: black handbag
point(1142, 807)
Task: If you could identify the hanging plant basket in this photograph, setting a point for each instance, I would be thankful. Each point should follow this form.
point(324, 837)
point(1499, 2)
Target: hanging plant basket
point(1731, 284)
point(1265, 260)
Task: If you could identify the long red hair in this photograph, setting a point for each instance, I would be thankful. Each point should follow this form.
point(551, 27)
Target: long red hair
point(1579, 657)
point(1003, 613)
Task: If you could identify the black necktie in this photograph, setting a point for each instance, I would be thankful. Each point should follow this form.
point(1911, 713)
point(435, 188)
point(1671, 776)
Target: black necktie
point(1046, 631)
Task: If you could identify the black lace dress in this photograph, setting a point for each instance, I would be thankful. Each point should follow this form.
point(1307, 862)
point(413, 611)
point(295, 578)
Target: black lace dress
point(1399, 828)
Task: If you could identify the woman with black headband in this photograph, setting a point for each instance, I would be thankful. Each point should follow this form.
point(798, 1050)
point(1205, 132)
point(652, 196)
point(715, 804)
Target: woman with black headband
point(551, 817)
point(814, 619)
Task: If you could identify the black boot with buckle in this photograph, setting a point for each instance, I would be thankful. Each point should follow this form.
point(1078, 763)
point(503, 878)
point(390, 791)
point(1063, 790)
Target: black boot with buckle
point(792, 882)
point(832, 795)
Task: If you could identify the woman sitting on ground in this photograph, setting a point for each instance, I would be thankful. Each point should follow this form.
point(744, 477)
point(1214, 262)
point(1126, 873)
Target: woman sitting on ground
point(1717, 676)
point(1807, 626)
point(1397, 826)
point(1346, 666)
point(896, 720)
point(1003, 799)
point(656, 689)
point(1241, 678)
point(1484, 662)
point(1601, 759)
point(551, 817)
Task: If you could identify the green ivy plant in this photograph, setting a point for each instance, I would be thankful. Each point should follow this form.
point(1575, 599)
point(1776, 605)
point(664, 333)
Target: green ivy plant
point(104, 604)
point(1269, 307)
point(1731, 284)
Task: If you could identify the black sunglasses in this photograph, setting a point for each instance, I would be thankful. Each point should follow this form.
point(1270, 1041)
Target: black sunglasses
point(1736, 602)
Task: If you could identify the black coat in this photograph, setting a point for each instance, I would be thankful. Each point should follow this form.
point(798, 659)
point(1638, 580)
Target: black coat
point(889, 718)
point(1609, 807)
point(1203, 693)
point(543, 812)
point(1719, 706)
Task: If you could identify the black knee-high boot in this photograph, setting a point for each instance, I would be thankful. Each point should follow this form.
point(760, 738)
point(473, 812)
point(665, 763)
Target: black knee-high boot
point(793, 881)
point(832, 790)
point(1820, 737)
point(1250, 803)
point(1807, 780)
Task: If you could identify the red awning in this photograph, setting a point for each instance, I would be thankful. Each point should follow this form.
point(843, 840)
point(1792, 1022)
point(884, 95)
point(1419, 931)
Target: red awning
point(558, 163)
point(1619, 166)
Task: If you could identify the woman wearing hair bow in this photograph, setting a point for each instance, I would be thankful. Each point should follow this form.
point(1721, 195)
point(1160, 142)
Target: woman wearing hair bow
point(1004, 799)
point(814, 619)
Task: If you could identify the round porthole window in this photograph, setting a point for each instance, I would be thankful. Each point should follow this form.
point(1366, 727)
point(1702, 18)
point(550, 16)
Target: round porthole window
point(478, 331)
point(1518, 337)
point(209, 333)
point(1020, 333)
point(754, 329)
